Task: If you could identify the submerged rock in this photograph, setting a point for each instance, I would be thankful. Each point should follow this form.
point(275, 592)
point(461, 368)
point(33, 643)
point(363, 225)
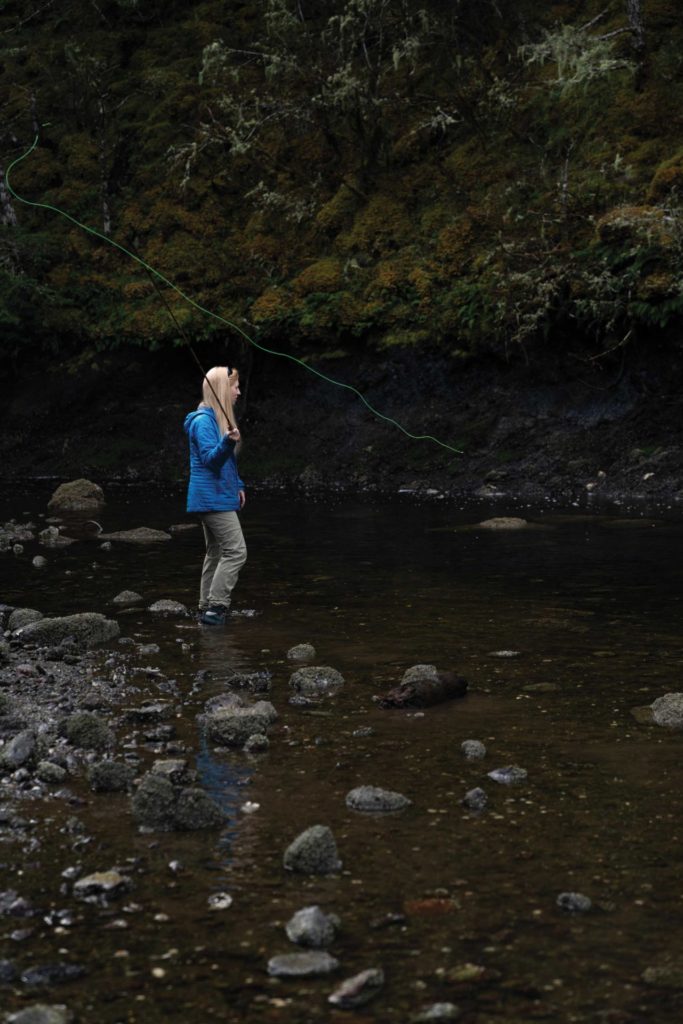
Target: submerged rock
point(50, 537)
point(158, 806)
point(313, 852)
point(312, 927)
point(301, 652)
point(257, 744)
point(510, 775)
point(77, 496)
point(503, 523)
point(316, 679)
point(665, 975)
point(41, 1013)
point(102, 883)
point(139, 535)
point(52, 974)
point(574, 902)
point(474, 750)
point(372, 799)
point(231, 726)
point(475, 800)
point(358, 990)
point(85, 628)
point(667, 711)
point(301, 965)
point(253, 682)
point(438, 1013)
point(110, 777)
point(423, 686)
point(127, 599)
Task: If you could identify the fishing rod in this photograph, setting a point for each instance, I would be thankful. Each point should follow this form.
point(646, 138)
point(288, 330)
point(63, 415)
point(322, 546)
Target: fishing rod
point(154, 273)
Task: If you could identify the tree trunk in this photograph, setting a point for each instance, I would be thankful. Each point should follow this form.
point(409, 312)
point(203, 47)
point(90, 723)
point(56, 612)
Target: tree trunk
point(7, 215)
point(635, 18)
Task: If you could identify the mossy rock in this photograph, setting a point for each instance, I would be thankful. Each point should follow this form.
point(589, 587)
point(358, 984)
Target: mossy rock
point(88, 731)
point(338, 210)
point(667, 178)
point(273, 305)
point(383, 225)
point(322, 276)
point(629, 224)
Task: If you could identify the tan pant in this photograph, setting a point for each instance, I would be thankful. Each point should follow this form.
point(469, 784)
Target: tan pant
point(226, 553)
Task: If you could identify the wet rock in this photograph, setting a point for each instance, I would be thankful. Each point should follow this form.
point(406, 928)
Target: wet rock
point(148, 649)
point(108, 884)
point(195, 810)
point(52, 974)
point(176, 770)
point(182, 527)
point(77, 496)
point(312, 927)
point(301, 652)
point(150, 712)
point(160, 807)
point(50, 537)
point(510, 775)
point(665, 975)
point(18, 549)
point(49, 772)
point(474, 750)
point(19, 751)
point(475, 800)
point(372, 800)
point(23, 617)
point(85, 627)
point(88, 731)
point(363, 731)
point(358, 990)
point(219, 901)
point(316, 679)
point(438, 1013)
point(153, 804)
point(667, 711)
point(232, 726)
point(39, 561)
point(313, 852)
point(423, 686)
point(110, 777)
point(8, 972)
point(257, 744)
point(41, 1013)
point(140, 535)
point(127, 599)
point(253, 682)
point(169, 609)
point(503, 523)
point(301, 965)
point(504, 654)
point(574, 902)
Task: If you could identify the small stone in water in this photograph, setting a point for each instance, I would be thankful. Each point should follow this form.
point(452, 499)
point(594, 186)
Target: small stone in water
point(219, 901)
point(473, 750)
point(574, 902)
point(301, 652)
point(372, 799)
point(475, 799)
point(312, 927)
point(250, 807)
point(40, 1013)
point(509, 775)
point(358, 990)
point(439, 1013)
point(301, 965)
point(504, 654)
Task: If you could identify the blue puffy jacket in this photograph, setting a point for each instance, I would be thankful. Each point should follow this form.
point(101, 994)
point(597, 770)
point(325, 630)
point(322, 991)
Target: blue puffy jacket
point(214, 481)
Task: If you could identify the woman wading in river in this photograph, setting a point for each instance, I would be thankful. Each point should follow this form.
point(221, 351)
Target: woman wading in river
point(216, 491)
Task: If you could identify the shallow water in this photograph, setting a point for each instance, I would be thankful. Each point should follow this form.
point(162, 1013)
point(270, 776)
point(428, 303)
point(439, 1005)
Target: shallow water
point(590, 603)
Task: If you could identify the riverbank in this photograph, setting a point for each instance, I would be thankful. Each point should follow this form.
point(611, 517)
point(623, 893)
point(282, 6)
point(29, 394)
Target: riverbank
point(558, 428)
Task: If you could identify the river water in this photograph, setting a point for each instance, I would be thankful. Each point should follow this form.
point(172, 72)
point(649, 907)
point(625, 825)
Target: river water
point(590, 605)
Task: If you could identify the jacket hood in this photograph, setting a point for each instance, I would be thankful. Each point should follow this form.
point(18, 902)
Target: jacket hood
point(192, 416)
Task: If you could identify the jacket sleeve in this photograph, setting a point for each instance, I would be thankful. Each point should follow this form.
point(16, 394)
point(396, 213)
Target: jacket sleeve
point(212, 455)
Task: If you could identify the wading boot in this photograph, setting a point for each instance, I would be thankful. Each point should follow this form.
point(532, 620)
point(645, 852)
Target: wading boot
point(213, 616)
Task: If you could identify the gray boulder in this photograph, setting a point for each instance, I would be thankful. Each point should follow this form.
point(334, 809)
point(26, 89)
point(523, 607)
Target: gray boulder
point(169, 609)
point(50, 537)
point(420, 673)
point(102, 883)
point(232, 726)
point(88, 731)
point(667, 711)
point(373, 800)
point(77, 496)
point(316, 679)
point(312, 927)
point(19, 751)
point(474, 750)
point(159, 806)
point(574, 902)
point(86, 628)
point(41, 1013)
point(475, 799)
point(110, 777)
point(196, 810)
point(23, 617)
point(50, 773)
point(313, 852)
point(127, 599)
point(301, 652)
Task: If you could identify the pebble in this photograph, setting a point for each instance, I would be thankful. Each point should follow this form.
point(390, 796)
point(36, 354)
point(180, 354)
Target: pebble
point(312, 927)
point(438, 1013)
point(372, 799)
point(313, 852)
point(510, 775)
point(40, 1013)
point(301, 652)
point(474, 750)
point(574, 902)
point(301, 965)
point(219, 901)
point(101, 883)
point(475, 799)
point(358, 990)
point(52, 974)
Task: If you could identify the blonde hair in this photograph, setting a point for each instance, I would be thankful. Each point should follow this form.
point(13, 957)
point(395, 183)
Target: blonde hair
point(217, 395)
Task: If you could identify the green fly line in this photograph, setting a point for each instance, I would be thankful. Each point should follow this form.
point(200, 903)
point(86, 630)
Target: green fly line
point(210, 313)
